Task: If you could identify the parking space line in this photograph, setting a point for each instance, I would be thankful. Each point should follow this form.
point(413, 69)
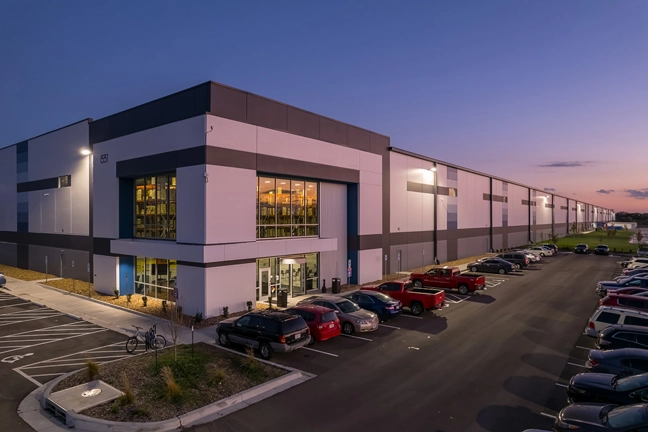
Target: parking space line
point(411, 316)
point(83, 359)
point(561, 385)
point(576, 364)
point(388, 326)
point(321, 352)
point(583, 348)
point(51, 366)
point(358, 337)
point(38, 384)
point(12, 305)
point(548, 415)
point(31, 338)
point(49, 374)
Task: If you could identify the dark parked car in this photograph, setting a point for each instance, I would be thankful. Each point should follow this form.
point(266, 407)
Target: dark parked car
point(581, 248)
point(265, 331)
point(491, 265)
point(516, 258)
point(635, 272)
point(382, 305)
point(593, 417)
point(602, 287)
point(608, 388)
point(552, 246)
point(602, 250)
point(622, 362)
point(623, 336)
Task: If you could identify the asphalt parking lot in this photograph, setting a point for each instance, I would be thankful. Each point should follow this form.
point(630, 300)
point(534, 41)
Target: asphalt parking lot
point(490, 361)
point(38, 344)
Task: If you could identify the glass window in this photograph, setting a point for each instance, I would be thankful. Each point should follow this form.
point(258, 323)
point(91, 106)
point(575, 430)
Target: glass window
point(155, 277)
point(155, 207)
point(286, 208)
point(636, 321)
point(608, 317)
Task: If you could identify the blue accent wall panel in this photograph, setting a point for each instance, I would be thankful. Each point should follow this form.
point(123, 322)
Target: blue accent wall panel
point(126, 275)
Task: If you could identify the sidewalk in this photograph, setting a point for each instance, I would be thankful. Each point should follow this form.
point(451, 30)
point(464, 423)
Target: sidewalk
point(96, 312)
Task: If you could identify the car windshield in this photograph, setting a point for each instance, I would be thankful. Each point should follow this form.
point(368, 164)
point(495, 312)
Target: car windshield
point(580, 245)
point(346, 306)
point(294, 324)
point(624, 416)
point(328, 317)
point(630, 383)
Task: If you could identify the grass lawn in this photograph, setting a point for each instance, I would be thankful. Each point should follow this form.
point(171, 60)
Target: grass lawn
point(620, 241)
point(171, 387)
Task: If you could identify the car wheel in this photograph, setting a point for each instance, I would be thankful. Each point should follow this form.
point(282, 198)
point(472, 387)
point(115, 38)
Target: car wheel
point(542, 254)
point(416, 308)
point(347, 328)
point(418, 283)
point(473, 269)
point(312, 341)
point(501, 271)
point(224, 339)
point(265, 352)
point(463, 289)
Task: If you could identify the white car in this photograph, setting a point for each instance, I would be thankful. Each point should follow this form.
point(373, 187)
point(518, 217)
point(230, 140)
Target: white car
point(3, 280)
point(538, 250)
point(533, 257)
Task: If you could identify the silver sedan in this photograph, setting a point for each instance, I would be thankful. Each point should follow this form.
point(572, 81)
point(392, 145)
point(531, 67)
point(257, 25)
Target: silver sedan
point(352, 317)
point(3, 280)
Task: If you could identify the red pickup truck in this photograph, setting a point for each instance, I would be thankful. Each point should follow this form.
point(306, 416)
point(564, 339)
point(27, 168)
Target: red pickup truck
point(416, 299)
point(449, 278)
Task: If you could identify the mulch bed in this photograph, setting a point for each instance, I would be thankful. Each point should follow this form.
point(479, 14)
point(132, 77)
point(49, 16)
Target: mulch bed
point(197, 376)
point(26, 275)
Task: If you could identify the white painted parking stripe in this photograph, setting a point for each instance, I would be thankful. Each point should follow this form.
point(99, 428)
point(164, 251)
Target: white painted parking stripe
point(548, 415)
point(321, 352)
point(12, 305)
point(561, 385)
point(51, 366)
point(583, 348)
point(38, 384)
point(358, 337)
point(411, 316)
point(49, 374)
point(86, 357)
point(388, 326)
point(576, 364)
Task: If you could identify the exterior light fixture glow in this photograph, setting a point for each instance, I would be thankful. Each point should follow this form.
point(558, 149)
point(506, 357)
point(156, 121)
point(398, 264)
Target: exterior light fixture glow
point(86, 152)
point(433, 169)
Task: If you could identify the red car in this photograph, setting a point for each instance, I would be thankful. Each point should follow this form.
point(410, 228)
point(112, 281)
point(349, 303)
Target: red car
point(322, 322)
point(623, 300)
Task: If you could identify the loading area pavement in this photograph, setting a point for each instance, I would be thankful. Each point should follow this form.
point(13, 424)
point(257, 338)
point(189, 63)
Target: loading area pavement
point(489, 362)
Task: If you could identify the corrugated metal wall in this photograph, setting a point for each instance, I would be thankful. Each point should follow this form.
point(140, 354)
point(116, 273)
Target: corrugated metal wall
point(333, 224)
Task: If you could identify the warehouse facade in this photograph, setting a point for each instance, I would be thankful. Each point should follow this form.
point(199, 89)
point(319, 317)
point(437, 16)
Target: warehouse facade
point(220, 197)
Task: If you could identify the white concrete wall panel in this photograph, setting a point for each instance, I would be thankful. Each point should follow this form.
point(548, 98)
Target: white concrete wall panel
point(8, 194)
point(518, 214)
point(370, 209)
point(231, 205)
point(497, 207)
point(231, 286)
point(106, 271)
point(543, 213)
point(190, 205)
point(231, 134)
point(398, 192)
point(192, 290)
point(333, 226)
point(370, 264)
point(473, 210)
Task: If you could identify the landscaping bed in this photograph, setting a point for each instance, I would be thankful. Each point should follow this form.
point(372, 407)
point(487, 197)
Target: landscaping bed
point(26, 275)
point(620, 241)
point(207, 376)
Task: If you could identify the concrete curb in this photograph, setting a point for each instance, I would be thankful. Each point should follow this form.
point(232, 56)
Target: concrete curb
point(32, 408)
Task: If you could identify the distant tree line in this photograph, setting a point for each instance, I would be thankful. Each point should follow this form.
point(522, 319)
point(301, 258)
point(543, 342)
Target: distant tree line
point(640, 218)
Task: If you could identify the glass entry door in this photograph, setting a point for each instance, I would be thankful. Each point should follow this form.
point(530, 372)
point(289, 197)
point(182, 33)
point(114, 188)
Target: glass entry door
point(264, 282)
point(298, 280)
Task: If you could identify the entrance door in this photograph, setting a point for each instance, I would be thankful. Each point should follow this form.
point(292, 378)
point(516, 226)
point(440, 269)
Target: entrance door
point(298, 279)
point(264, 282)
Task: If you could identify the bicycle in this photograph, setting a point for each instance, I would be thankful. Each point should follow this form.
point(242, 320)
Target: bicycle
point(150, 338)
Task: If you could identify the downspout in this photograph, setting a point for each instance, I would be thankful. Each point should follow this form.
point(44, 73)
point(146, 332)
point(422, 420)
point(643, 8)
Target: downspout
point(490, 228)
point(434, 171)
point(529, 214)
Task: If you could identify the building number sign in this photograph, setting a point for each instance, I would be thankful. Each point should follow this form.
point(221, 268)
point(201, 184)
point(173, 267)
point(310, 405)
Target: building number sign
point(104, 158)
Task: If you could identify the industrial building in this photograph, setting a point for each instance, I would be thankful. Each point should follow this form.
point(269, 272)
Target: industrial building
point(219, 196)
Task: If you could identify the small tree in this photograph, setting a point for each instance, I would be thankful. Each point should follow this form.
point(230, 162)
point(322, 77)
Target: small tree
point(639, 236)
point(175, 325)
point(574, 227)
point(554, 237)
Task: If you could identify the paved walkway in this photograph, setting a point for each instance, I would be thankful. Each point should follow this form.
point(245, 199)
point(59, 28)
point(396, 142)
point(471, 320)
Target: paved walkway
point(96, 312)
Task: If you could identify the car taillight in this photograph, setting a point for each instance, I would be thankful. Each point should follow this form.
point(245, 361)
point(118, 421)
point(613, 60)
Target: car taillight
point(591, 324)
point(593, 362)
point(307, 330)
point(282, 339)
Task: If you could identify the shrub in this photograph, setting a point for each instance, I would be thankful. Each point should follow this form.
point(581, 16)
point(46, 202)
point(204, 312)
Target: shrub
point(114, 408)
point(225, 311)
point(216, 377)
point(116, 292)
point(249, 306)
point(164, 304)
point(198, 318)
point(128, 298)
point(92, 369)
point(141, 412)
point(144, 300)
point(172, 388)
point(253, 368)
point(128, 397)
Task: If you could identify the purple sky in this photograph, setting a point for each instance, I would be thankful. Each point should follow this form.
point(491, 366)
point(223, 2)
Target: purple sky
point(553, 94)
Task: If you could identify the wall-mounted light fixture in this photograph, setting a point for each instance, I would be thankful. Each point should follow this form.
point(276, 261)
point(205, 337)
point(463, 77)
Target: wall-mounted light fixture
point(432, 169)
point(86, 151)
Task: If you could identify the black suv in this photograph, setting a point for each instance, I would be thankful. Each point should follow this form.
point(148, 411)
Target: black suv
point(581, 248)
point(265, 331)
point(602, 250)
point(516, 258)
point(623, 336)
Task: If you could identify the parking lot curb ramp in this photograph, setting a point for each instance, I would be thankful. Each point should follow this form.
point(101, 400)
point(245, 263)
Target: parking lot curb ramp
point(32, 409)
